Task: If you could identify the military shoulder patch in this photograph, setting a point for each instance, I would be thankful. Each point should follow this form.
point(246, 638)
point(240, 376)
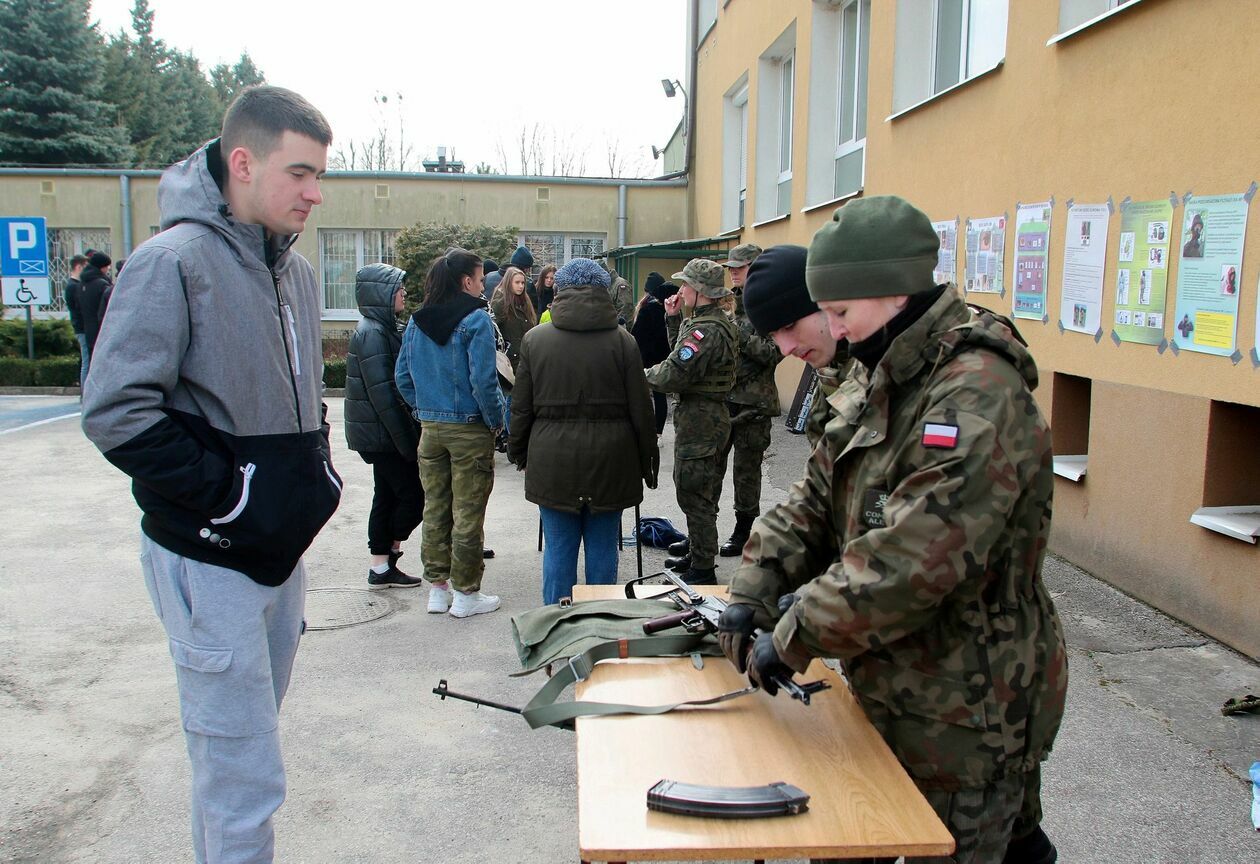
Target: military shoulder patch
point(940, 435)
point(697, 334)
point(687, 351)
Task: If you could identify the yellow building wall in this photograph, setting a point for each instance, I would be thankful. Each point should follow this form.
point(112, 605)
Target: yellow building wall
point(1147, 103)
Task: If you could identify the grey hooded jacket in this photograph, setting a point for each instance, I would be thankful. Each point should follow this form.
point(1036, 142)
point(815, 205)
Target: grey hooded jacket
point(206, 385)
point(377, 419)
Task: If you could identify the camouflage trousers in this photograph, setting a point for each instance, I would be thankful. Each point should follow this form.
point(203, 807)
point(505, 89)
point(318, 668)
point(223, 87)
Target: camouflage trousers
point(750, 438)
point(980, 820)
point(457, 473)
point(697, 486)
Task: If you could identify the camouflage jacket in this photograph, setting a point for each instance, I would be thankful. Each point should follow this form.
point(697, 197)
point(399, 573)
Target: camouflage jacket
point(623, 299)
point(754, 376)
point(826, 382)
point(915, 543)
point(701, 370)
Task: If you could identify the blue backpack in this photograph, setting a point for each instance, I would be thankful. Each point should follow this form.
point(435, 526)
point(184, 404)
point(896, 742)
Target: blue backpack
point(658, 531)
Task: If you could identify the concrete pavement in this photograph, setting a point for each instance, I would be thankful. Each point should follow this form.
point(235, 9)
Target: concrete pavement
point(92, 767)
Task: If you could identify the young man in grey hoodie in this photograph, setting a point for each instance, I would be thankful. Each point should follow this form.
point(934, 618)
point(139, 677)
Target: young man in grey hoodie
point(206, 389)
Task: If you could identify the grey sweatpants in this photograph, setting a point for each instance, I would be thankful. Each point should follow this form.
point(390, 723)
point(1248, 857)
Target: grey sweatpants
point(233, 643)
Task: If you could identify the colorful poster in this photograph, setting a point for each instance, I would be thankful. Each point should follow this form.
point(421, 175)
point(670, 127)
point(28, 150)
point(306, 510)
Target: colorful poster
point(1209, 273)
point(946, 263)
point(1142, 270)
point(1084, 260)
point(986, 246)
point(1032, 251)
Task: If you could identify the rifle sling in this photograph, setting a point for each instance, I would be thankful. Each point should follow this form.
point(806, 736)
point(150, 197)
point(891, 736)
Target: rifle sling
point(544, 710)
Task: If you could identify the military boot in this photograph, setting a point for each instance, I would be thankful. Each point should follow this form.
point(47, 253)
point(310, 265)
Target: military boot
point(1033, 848)
point(682, 562)
point(682, 547)
point(701, 577)
point(735, 544)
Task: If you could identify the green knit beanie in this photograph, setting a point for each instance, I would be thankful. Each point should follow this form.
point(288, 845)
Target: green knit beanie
point(882, 246)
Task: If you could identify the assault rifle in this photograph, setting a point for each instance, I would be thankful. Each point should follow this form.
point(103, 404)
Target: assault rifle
point(699, 614)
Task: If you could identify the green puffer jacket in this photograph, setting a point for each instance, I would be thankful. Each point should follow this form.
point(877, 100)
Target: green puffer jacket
point(582, 421)
point(915, 544)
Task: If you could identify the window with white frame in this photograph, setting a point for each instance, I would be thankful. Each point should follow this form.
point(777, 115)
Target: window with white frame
point(836, 150)
point(957, 41)
point(558, 248)
point(707, 16)
point(64, 244)
point(1074, 13)
point(735, 154)
point(342, 251)
point(776, 92)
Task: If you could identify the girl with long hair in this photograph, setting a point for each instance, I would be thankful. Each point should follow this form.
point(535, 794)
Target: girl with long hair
point(449, 346)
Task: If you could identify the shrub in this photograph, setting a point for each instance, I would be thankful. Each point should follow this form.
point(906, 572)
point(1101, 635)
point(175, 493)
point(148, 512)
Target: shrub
point(418, 246)
point(53, 338)
point(335, 373)
point(45, 372)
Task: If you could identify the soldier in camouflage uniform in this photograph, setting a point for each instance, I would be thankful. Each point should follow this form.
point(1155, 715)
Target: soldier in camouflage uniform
point(701, 370)
point(912, 549)
point(779, 308)
point(753, 403)
point(623, 298)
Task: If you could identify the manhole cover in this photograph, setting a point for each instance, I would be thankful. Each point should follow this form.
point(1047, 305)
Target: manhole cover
point(331, 608)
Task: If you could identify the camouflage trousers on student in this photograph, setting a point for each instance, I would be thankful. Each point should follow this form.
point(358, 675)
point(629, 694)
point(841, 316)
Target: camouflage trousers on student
point(980, 820)
point(457, 473)
point(750, 438)
point(697, 486)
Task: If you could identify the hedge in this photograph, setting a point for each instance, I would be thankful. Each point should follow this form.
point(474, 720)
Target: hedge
point(47, 372)
point(335, 374)
point(53, 338)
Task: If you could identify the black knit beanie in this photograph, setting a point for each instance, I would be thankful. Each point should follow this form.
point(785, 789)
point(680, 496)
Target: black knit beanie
point(99, 260)
point(652, 285)
point(774, 290)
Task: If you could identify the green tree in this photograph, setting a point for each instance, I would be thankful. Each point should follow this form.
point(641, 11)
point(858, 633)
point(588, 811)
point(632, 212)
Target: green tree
point(229, 81)
point(418, 246)
point(51, 110)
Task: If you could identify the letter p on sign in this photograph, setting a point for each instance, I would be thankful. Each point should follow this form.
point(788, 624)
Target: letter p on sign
point(21, 236)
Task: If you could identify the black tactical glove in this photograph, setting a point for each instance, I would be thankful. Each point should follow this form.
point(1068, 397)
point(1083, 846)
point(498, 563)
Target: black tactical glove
point(764, 664)
point(735, 630)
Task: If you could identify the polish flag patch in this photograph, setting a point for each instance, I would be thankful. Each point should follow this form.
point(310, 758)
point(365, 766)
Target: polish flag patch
point(697, 334)
point(940, 435)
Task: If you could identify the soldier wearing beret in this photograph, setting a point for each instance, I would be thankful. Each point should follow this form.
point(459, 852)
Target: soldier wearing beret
point(701, 370)
point(912, 550)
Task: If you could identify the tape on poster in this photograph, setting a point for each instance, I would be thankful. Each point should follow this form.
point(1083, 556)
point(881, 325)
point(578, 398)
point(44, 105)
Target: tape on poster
point(1115, 338)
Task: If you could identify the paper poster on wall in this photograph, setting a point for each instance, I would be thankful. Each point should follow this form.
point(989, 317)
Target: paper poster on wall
point(986, 246)
point(1084, 260)
point(1209, 273)
point(946, 264)
point(1032, 250)
point(1142, 270)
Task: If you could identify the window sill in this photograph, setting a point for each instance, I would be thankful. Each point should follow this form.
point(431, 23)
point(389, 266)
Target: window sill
point(917, 105)
point(1059, 37)
point(340, 315)
point(834, 201)
point(1241, 523)
point(779, 218)
point(733, 232)
point(1071, 467)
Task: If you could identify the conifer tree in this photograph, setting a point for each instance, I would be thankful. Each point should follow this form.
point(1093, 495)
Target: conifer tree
point(51, 112)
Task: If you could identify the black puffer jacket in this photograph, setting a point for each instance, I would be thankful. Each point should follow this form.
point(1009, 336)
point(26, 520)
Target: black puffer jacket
point(582, 421)
point(377, 420)
point(92, 303)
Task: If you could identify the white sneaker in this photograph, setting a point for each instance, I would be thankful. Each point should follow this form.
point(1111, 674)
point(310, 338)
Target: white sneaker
point(439, 599)
point(473, 603)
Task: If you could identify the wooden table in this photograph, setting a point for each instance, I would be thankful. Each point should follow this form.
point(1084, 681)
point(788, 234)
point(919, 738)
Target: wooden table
point(862, 801)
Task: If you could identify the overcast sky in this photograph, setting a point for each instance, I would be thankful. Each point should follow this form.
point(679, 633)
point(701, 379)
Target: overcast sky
point(472, 73)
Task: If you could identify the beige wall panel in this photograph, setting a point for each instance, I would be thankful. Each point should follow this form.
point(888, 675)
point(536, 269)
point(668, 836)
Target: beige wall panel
point(1130, 517)
point(76, 202)
point(655, 215)
point(1113, 111)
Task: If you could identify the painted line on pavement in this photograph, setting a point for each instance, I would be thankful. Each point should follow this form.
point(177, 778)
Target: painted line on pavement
point(39, 423)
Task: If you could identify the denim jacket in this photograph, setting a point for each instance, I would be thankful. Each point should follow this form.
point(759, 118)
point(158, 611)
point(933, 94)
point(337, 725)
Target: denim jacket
point(458, 381)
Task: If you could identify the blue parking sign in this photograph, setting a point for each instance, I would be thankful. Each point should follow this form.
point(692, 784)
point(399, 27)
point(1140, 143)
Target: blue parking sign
point(24, 260)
